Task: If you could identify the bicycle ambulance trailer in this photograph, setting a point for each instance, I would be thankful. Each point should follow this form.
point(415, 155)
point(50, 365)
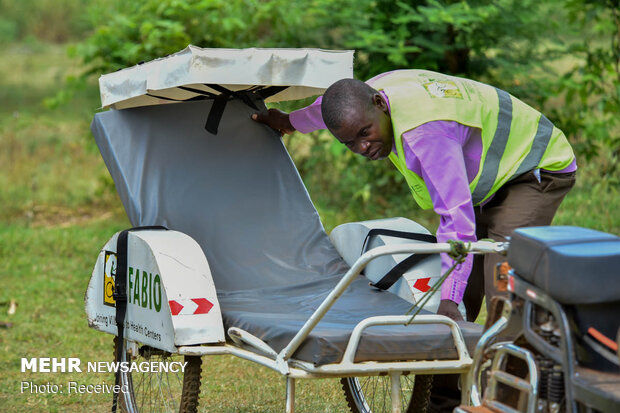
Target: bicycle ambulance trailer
point(229, 255)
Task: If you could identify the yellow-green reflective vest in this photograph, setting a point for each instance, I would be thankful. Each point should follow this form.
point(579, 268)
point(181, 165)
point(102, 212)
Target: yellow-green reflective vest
point(515, 137)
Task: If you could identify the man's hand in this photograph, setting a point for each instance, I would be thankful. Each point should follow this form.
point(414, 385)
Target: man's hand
point(450, 309)
point(275, 119)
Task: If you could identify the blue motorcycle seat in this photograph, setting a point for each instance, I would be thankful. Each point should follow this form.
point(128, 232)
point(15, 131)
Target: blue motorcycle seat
point(573, 265)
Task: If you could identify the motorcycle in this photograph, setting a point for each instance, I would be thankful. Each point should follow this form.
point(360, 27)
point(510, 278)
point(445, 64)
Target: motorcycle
point(551, 342)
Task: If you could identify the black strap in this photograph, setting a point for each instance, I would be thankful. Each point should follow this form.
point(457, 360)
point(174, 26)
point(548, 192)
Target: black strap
point(216, 112)
point(120, 296)
point(219, 104)
point(219, 88)
point(198, 91)
point(402, 267)
point(178, 100)
point(265, 92)
point(397, 234)
point(398, 270)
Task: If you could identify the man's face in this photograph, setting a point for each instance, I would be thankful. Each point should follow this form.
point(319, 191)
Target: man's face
point(368, 132)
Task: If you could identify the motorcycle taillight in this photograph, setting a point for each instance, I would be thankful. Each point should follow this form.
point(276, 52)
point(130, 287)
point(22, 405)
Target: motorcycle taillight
point(500, 276)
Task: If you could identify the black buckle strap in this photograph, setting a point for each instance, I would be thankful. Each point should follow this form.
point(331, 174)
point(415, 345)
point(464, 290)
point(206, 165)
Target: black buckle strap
point(120, 296)
point(215, 113)
point(178, 100)
point(268, 91)
point(402, 267)
point(247, 96)
point(198, 91)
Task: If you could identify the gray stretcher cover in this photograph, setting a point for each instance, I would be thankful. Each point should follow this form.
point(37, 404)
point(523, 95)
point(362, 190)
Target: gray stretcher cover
point(239, 195)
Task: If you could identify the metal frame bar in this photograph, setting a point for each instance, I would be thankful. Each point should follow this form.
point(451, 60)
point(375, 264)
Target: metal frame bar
point(497, 375)
point(251, 348)
point(395, 392)
point(473, 380)
point(356, 335)
point(290, 395)
point(357, 267)
point(565, 355)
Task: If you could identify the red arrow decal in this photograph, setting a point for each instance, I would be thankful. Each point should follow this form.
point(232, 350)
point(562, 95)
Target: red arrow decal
point(422, 284)
point(175, 308)
point(204, 305)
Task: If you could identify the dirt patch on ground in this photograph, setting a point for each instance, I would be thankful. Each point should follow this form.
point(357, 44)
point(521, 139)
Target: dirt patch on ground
point(63, 217)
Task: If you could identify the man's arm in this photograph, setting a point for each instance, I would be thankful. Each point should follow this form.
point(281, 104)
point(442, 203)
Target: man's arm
point(304, 120)
point(433, 152)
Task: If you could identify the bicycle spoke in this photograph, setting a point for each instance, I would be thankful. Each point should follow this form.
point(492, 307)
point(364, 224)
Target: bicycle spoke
point(372, 394)
point(157, 391)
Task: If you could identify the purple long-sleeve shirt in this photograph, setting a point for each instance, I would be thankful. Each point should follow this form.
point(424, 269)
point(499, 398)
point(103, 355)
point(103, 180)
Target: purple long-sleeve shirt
point(430, 150)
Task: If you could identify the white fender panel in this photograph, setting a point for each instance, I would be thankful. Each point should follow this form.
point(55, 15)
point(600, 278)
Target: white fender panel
point(171, 296)
point(349, 238)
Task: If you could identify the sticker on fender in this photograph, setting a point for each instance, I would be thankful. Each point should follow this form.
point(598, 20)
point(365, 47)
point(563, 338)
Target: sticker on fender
point(143, 288)
point(109, 273)
point(190, 306)
point(422, 284)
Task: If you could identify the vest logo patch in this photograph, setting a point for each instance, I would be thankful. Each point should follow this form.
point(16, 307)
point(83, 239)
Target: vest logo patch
point(443, 89)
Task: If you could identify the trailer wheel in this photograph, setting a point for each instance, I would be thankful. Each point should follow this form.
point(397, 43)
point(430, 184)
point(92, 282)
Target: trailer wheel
point(157, 391)
point(372, 394)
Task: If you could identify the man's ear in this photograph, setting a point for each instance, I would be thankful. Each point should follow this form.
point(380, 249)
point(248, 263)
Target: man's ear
point(379, 102)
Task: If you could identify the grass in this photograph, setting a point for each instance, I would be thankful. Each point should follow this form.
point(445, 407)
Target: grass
point(46, 270)
point(58, 208)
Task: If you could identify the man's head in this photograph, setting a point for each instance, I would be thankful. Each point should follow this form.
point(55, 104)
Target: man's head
point(358, 116)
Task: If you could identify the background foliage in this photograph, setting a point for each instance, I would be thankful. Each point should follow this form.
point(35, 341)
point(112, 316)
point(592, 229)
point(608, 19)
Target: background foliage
point(58, 203)
point(590, 89)
point(561, 56)
point(543, 52)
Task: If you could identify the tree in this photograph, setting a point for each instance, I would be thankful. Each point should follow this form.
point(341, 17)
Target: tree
point(512, 44)
point(591, 88)
point(467, 38)
point(134, 31)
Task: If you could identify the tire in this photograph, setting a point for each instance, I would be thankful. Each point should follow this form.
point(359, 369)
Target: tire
point(158, 391)
point(372, 394)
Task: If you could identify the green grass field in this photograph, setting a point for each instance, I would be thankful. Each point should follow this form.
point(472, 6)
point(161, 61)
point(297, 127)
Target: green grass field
point(58, 208)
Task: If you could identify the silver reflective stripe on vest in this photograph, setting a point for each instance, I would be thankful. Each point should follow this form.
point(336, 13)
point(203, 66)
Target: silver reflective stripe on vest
point(539, 146)
point(496, 149)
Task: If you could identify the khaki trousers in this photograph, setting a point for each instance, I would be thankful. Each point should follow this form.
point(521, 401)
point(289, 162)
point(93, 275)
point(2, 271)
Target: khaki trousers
point(522, 202)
